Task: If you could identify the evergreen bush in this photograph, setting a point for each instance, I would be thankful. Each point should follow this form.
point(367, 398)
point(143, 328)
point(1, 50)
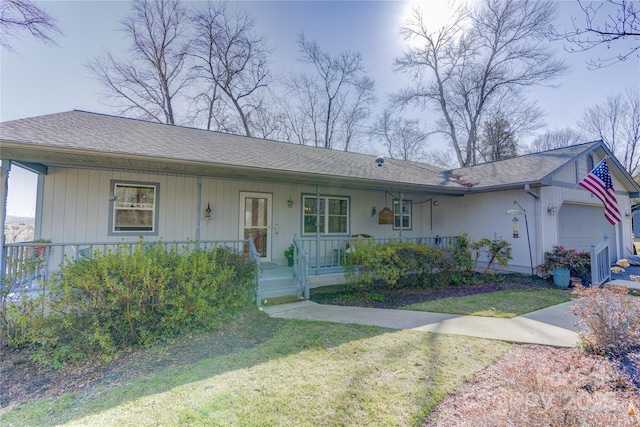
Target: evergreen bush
point(400, 264)
point(107, 302)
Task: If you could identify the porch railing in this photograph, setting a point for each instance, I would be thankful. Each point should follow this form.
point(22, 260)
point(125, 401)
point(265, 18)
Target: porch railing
point(326, 255)
point(301, 266)
point(600, 262)
point(28, 265)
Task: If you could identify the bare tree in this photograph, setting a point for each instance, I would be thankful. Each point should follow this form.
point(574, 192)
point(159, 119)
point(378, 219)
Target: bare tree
point(342, 88)
point(231, 59)
point(616, 122)
point(302, 110)
point(481, 58)
point(18, 16)
point(441, 158)
point(402, 138)
point(147, 82)
point(553, 139)
point(18, 231)
point(604, 23)
point(498, 140)
point(355, 114)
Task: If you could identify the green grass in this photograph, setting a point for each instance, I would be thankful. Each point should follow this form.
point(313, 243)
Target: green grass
point(306, 374)
point(503, 304)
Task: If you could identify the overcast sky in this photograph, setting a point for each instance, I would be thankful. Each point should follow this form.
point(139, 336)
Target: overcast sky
point(40, 79)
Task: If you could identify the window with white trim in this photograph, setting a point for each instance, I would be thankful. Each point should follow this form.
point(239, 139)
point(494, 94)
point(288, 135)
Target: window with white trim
point(333, 215)
point(134, 208)
point(403, 214)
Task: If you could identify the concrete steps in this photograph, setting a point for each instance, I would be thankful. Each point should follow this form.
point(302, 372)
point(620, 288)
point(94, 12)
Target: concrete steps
point(277, 281)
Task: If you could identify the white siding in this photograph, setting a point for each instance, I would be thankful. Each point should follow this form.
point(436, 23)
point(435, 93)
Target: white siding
point(76, 209)
point(484, 215)
point(76, 206)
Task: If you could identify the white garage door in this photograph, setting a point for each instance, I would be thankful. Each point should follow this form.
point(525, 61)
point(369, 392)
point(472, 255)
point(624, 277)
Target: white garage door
point(580, 226)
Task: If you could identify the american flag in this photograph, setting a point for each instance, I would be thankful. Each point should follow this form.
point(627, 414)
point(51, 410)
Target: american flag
point(598, 182)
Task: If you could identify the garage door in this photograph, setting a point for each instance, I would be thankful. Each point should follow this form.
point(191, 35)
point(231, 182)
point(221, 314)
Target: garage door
point(580, 226)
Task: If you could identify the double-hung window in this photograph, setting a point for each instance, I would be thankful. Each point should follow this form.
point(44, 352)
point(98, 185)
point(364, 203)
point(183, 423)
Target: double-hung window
point(135, 208)
point(402, 214)
point(329, 216)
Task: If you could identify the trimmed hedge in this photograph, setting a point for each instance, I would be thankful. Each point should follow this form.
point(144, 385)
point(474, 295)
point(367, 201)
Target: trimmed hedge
point(108, 302)
point(398, 264)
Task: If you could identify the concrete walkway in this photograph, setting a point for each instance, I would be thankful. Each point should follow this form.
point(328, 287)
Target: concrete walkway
point(553, 326)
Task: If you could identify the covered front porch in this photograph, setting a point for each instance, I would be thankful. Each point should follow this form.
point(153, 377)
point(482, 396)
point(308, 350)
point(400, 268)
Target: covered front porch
point(27, 266)
point(320, 262)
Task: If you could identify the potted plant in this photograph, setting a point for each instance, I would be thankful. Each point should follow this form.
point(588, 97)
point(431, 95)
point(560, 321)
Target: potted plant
point(40, 250)
point(289, 254)
point(565, 263)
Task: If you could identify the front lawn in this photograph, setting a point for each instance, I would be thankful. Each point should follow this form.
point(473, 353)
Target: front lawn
point(303, 374)
point(504, 304)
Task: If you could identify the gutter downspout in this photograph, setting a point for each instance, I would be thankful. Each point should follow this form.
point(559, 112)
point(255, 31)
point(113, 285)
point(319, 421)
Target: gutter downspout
point(527, 189)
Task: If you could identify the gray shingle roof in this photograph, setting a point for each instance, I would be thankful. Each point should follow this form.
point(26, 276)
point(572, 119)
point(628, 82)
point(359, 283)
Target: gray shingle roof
point(97, 140)
point(115, 137)
point(527, 169)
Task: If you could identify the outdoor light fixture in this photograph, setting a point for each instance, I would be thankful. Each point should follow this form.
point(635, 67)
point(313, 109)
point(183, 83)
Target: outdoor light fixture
point(207, 212)
point(436, 203)
point(628, 214)
point(516, 232)
point(552, 210)
point(112, 197)
point(290, 202)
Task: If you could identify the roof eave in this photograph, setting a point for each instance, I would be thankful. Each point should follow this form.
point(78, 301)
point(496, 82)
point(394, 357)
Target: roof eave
point(73, 157)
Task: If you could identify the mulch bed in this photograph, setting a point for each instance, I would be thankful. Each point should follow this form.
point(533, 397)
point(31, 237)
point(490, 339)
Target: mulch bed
point(383, 297)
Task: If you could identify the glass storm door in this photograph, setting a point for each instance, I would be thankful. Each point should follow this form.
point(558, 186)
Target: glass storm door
point(255, 209)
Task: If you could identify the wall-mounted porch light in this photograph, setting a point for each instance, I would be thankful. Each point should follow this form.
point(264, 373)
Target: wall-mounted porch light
point(552, 210)
point(207, 212)
point(290, 202)
point(112, 197)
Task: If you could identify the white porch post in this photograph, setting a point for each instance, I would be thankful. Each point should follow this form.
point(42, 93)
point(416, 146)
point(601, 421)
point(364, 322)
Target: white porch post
point(5, 168)
point(318, 229)
point(198, 211)
point(401, 215)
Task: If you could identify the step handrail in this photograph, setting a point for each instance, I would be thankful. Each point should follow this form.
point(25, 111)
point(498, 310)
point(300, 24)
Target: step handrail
point(301, 266)
point(600, 262)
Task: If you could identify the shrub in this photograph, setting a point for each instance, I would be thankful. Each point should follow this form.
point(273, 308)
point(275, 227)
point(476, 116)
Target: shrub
point(462, 262)
point(611, 317)
point(359, 265)
point(107, 302)
point(577, 262)
point(497, 250)
point(13, 331)
point(400, 264)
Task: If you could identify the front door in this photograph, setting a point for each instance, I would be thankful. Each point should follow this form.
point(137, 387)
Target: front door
point(255, 209)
